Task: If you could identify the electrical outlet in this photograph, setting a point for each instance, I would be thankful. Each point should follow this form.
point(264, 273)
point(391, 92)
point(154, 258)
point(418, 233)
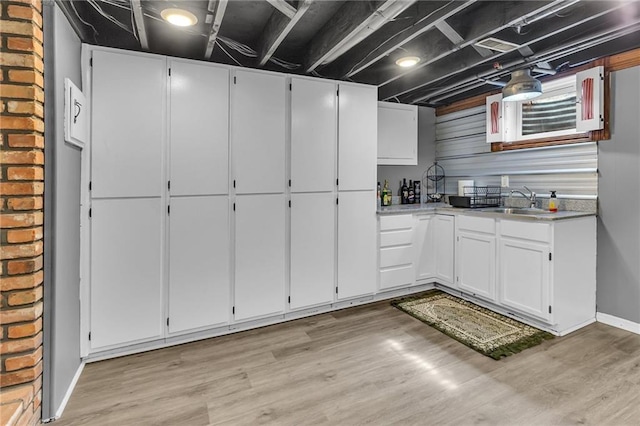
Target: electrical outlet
point(504, 181)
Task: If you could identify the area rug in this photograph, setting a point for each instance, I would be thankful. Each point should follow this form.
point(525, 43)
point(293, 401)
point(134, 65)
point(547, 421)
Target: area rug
point(487, 332)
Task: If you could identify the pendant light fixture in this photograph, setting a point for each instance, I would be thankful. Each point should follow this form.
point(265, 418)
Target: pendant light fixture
point(521, 87)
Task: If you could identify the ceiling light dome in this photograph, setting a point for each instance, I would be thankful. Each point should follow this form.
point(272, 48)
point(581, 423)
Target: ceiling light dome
point(521, 87)
point(407, 61)
point(179, 17)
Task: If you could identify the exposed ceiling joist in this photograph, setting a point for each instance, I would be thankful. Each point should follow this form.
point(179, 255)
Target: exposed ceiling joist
point(378, 46)
point(495, 17)
point(220, 8)
point(284, 7)
point(277, 29)
point(353, 22)
point(445, 69)
point(138, 17)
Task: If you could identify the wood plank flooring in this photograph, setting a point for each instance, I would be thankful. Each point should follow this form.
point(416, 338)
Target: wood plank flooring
point(366, 365)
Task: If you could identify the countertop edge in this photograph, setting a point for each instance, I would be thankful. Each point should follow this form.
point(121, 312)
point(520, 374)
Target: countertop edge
point(444, 208)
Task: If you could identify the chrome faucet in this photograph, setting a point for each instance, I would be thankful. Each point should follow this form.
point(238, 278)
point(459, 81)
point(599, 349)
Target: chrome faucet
point(531, 197)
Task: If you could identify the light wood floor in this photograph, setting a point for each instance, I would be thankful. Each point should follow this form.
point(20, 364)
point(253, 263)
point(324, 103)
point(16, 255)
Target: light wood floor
point(371, 364)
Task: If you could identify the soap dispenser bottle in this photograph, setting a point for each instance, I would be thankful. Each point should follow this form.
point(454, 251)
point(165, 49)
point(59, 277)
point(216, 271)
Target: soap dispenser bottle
point(553, 202)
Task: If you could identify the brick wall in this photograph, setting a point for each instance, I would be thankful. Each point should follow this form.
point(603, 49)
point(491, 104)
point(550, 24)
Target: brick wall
point(21, 214)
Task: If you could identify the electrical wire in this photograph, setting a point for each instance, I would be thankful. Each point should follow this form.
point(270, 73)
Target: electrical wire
point(95, 32)
point(97, 7)
point(228, 54)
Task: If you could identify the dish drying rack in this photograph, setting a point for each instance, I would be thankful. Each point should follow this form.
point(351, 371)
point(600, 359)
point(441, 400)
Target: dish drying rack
point(483, 196)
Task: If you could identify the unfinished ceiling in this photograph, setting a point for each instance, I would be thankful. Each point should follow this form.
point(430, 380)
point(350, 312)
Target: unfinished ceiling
point(361, 40)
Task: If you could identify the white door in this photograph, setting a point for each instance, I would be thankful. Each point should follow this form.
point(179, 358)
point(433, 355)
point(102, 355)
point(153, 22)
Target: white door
point(524, 277)
point(357, 257)
point(444, 248)
point(126, 271)
point(128, 124)
point(199, 128)
point(258, 132)
point(260, 255)
point(425, 254)
point(476, 264)
point(313, 238)
point(199, 278)
point(313, 135)
point(357, 137)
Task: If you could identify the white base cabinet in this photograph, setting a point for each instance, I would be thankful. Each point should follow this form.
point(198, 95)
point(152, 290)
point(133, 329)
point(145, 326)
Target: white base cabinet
point(199, 272)
point(313, 240)
point(396, 253)
point(444, 248)
point(476, 256)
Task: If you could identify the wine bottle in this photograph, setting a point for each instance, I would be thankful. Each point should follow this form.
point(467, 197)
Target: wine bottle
point(416, 191)
point(404, 192)
point(386, 194)
point(411, 193)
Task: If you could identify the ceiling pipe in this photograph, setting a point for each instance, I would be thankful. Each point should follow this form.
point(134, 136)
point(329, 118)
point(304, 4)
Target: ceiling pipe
point(472, 82)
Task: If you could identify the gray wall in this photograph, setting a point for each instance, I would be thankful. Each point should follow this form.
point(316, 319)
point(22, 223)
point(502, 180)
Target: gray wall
point(426, 153)
point(619, 202)
point(62, 215)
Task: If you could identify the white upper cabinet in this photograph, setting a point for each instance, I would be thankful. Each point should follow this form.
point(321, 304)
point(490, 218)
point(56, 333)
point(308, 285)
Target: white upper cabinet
point(397, 134)
point(590, 99)
point(260, 255)
point(126, 271)
point(199, 128)
point(357, 260)
point(128, 124)
point(313, 135)
point(313, 253)
point(357, 137)
point(258, 125)
point(494, 121)
point(199, 278)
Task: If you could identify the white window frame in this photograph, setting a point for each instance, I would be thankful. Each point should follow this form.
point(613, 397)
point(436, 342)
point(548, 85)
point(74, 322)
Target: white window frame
point(557, 87)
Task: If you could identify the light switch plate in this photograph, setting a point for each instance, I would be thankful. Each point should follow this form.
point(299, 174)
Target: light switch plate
point(504, 181)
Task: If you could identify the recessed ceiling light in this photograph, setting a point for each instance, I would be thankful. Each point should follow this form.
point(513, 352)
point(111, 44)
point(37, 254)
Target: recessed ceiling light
point(179, 17)
point(407, 61)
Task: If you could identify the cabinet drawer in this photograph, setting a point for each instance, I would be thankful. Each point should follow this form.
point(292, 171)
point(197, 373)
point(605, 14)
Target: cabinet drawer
point(395, 238)
point(396, 256)
point(397, 277)
point(526, 230)
point(477, 224)
point(397, 221)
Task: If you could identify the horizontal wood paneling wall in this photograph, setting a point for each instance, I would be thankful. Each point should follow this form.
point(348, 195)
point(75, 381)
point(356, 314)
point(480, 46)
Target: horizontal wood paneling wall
point(463, 153)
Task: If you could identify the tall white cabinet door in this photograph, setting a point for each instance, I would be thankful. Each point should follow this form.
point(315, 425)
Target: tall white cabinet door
point(258, 132)
point(425, 253)
point(524, 277)
point(126, 271)
point(357, 137)
point(128, 124)
point(260, 255)
point(312, 249)
point(199, 278)
point(476, 264)
point(357, 257)
point(313, 135)
point(199, 128)
point(444, 229)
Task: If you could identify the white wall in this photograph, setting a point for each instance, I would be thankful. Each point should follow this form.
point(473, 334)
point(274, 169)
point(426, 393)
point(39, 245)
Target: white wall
point(62, 216)
point(618, 266)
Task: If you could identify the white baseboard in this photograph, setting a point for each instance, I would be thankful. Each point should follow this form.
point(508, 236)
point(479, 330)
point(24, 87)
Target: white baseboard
point(67, 395)
point(622, 323)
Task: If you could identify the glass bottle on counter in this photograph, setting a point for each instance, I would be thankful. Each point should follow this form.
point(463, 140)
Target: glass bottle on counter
point(411, 198)
point(416, 192)
point(378, 196)
point(404, 192)
point(386, 194)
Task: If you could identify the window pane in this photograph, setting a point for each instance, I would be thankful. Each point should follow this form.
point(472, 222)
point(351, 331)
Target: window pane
point(549, 114)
